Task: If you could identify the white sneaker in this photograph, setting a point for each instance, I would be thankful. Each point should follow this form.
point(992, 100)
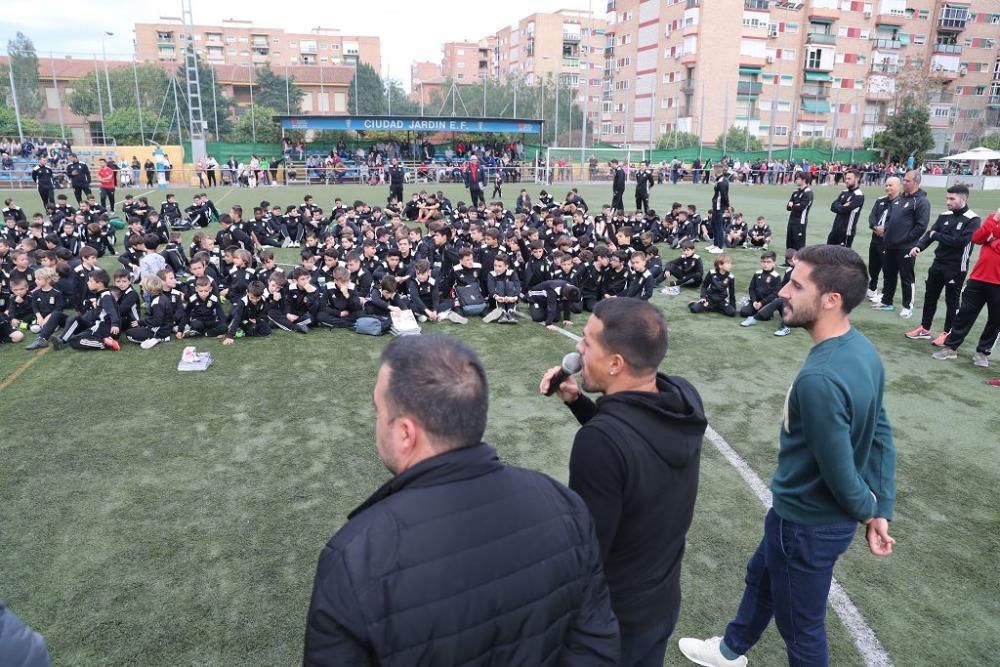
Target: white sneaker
point(421, 318)
point(906, 313)
point(715, 251)
point(706, 652)
point(710, 248)
point(981, 360)
point(672, 290)
point(456, 318)
point(870, 294)
point(493, 315)
point(749, 322)
point(876, 298)
point(149, 343)
point(783, 331)
point(35, 328)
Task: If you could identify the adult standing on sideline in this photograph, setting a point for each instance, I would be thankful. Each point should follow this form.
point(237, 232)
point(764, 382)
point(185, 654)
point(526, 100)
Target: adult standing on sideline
point(78, 174)
point(44, 178)
point(475, 180)
point(847, 207)
point(983, 289)
point(635, 463)
point(908, 217)
point(106, 177)
point(458, 559)
point(397, 177)
point(644, 180)
point(953, 233)
point(720, 203)
point(617, 187)
point(836, 467)
point(798, 206)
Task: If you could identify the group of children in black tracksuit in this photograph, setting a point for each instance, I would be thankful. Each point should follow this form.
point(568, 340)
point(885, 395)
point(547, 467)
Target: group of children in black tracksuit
point(358, 267)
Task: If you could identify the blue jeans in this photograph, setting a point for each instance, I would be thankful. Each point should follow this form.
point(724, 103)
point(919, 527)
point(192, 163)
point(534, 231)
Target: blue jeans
point(788, 578)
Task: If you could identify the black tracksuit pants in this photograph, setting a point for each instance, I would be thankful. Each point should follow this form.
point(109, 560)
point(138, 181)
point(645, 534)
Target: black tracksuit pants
point(950, 282)
point(976, 295)
point(898, 268)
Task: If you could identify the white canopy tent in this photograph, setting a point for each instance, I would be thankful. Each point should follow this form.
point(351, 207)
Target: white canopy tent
point(979, 156)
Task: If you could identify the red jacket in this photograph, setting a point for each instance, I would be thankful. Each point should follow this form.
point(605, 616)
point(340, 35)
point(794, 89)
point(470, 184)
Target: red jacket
point(106, 177)
point(987, 268)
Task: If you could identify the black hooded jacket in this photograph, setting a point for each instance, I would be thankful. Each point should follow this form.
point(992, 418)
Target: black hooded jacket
point(635, 464)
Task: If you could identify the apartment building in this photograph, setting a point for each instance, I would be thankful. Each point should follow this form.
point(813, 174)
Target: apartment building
point(462, 62)
point(238, 42)
point(567, 44)
point(820, 68)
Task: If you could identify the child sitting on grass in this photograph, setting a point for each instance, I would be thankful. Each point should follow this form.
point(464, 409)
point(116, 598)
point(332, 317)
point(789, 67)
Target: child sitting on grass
point(718, 290)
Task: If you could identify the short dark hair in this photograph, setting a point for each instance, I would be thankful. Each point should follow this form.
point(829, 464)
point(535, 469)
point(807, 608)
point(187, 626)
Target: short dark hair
point(440, 382)
point(958, 189)
point(634, 329)
point(837, 269)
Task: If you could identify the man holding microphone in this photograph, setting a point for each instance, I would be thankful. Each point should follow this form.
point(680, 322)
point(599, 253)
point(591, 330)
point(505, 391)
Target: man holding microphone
point(635, 464)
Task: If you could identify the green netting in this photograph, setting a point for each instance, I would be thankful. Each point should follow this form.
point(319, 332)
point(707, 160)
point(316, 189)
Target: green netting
point(222, 152)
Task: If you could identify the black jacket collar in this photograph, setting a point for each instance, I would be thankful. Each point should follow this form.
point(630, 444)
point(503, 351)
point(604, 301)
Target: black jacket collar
point(455, 465)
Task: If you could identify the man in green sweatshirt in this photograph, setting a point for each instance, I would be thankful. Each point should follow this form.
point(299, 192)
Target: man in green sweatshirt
point(836, 466)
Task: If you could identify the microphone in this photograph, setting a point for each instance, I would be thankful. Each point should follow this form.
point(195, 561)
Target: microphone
point(571, 365)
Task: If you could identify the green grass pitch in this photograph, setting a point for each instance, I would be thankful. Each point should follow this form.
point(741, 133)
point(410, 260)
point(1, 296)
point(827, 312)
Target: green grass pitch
point(152, 517)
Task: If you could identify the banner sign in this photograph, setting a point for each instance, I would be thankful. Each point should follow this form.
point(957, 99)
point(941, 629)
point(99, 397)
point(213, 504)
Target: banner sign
point(410, 124)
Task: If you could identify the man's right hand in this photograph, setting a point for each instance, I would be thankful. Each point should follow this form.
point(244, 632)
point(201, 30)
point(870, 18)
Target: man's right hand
point(567, 392)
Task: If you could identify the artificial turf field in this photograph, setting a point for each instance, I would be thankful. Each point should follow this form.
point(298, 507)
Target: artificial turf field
point(152, 517)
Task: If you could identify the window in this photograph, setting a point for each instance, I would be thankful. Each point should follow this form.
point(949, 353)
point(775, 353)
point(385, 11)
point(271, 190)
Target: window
point(461, 76)
point(230, 39)
point(780, 130)
point(52, 98)
point(619, 129)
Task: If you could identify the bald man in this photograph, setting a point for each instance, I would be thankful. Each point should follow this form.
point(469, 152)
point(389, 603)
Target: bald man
point(907, 218)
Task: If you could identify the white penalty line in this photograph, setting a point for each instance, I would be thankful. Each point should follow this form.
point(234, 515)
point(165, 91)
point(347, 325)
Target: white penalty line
point(868, 645)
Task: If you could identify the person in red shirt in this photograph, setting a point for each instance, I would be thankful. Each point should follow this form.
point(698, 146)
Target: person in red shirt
point(982, 289)
point(106, 176)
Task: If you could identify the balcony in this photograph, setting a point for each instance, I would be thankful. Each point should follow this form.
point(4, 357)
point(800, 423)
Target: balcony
point(749, 87)
point(953, 19)
point(874, 119)
point(941, 97)
point(687, 86)
point(885, 67)
point(994, 101)
point(570, 62)
point(948, 48)
point(814, 91)
point(573, 37)
point(884, 43)
point(759, 5)
point(821, 38)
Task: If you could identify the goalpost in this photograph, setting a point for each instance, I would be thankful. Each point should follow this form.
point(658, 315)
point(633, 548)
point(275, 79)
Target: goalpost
point(594, 168)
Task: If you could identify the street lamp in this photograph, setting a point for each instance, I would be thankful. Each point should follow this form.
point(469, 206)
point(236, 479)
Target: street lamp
point(107, 76)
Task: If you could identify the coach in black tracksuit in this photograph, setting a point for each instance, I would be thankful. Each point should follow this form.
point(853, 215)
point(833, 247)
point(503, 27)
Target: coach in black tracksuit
point(78, 174)
point(720, 202)
point(397, 177)
point(617, 186)
point(953, 232)
point(43, 177)
point(907, 219)
point(847, 207)
point(798, 205)
point(644, 181)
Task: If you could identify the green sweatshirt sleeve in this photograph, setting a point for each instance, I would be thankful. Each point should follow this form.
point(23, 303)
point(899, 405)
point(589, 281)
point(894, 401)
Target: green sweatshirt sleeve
point(882, 467)
point(827, 433)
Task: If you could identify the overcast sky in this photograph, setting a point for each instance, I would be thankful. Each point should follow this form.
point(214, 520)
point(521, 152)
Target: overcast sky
point(409, 30)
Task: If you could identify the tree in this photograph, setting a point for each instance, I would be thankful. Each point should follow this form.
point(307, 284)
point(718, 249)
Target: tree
point(907, 132)
point(8, 124)
point(677, 140)
point(24, 62)
point(817, 144)
point(989, 141)
point(398, 101)
point(123, 125)
point(153, 84)
point(212, 107)
point(738, 139)
point(366, 96)
point(255, 122)
point(276, 91)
